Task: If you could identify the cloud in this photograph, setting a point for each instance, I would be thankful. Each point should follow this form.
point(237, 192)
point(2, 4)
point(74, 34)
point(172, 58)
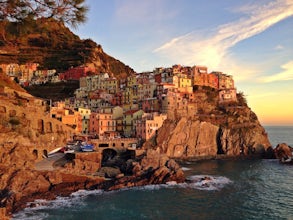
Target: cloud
point(285, 75)
point(279, 47)
point(212, 48)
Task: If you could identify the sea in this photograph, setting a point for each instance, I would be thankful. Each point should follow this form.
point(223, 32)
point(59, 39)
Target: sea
point(216, 189)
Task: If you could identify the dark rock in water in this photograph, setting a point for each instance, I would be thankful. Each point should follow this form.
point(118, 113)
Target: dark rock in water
point(269, 153)
point(283, 152)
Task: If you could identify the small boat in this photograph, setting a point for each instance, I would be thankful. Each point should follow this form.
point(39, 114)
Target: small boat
point(69, 151)
point(87, 147)
point(51, 153)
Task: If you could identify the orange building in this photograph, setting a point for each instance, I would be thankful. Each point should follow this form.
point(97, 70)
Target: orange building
point(149, 124)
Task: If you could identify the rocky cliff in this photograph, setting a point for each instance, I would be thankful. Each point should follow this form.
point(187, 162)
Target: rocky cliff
point(230, 129)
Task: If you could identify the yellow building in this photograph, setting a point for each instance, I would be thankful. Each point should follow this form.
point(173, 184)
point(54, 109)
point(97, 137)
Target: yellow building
point(131, 81)
point(183, 83)
point(129, 119)
point(111, 85)
point(85, 117)
point(127, 96)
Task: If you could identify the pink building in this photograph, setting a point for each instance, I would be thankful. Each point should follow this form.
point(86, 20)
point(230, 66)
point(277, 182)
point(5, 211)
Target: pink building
point(102, 124)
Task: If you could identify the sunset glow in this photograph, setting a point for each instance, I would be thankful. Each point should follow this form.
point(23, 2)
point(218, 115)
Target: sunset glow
point(251, 40)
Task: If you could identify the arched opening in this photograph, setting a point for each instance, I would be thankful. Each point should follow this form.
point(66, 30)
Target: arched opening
point(35, 153)
point(108, 154)
point(2, 109)
point(49, 127)
point(41, 126)
point(45, 153)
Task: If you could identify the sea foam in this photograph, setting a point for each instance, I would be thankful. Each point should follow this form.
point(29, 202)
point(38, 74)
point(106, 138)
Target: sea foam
point(207, 182)
point(34, 209)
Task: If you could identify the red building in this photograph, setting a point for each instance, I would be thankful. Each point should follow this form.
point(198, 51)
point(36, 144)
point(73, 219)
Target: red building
point(76, 73)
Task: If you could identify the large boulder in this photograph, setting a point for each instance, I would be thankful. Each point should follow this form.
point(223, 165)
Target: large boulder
point(283, 152)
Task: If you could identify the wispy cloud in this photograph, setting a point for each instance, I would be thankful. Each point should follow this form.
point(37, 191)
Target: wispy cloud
point(285, 75)
point(279, 47)
point(212, 48)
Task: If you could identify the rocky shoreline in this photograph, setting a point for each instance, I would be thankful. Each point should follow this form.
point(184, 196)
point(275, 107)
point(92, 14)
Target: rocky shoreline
point(26, 185)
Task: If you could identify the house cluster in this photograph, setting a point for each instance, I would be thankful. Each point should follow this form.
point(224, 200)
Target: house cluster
point(137, 106)
point(30, 73)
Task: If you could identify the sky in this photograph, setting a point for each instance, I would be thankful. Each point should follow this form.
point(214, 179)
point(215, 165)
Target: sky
point(250, 40)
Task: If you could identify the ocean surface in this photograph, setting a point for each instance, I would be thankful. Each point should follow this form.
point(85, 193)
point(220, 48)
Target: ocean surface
point(226, 189)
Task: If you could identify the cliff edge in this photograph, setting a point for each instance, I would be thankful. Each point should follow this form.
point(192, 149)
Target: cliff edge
point(228, 129)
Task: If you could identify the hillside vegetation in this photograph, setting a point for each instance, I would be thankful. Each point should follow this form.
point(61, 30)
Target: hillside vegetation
point(54, 46)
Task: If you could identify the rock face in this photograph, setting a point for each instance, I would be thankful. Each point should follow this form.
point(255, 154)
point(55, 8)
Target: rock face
point(189, 137)
point(26, 130)
point(153, 168)
point(284, 153)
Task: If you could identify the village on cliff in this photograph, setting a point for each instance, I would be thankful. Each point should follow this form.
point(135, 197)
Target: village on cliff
point(107, 108)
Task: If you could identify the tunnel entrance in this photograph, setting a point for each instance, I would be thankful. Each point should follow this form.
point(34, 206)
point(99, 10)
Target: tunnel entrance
point(107, 155)
point(45, 153)
point(35, 153)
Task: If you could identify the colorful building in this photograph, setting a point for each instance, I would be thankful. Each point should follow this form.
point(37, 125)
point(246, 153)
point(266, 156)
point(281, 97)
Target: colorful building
point(85, 117)
point(149, 124)
point(129, 119)
point(76, 73)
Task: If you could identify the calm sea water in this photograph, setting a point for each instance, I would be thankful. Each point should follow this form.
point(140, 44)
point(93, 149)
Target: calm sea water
point(243, 189)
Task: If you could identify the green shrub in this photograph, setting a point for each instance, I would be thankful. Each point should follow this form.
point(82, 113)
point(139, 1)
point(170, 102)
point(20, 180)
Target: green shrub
point(14, 121)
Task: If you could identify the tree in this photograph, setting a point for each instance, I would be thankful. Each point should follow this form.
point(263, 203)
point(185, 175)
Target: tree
point(72, 12)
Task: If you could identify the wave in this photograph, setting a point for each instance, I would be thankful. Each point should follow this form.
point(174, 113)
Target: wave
point(185, 168)
point(34, 209)
point(38, 209)
point(207, 182)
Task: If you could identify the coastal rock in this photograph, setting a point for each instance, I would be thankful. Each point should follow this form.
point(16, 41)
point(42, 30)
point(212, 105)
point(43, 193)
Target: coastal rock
point(110, 172)
point(154, 168)
point(194, 138)
point(284, 153)
point(3, 214)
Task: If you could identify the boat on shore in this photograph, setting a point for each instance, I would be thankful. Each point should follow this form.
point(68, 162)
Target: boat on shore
point(56, 150)
point(85, 147)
